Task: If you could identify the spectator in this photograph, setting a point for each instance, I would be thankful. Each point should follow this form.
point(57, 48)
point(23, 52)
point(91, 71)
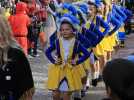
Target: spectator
point(16, 82)
point(118, 76)
point(35, 31)
point(19, 24)
point(49, 24)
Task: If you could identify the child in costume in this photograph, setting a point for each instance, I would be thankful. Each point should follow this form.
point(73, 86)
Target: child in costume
point(92, 40)
point(110, 40)
point(125, 13)
point(66, 70)
point(96, 20)
point(122, 32)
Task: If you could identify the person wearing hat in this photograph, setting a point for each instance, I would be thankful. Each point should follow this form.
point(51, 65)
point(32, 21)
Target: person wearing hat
point(95, 20)
point(65, 69)
point(125, 13)
point(88, 43)
point(116, 24)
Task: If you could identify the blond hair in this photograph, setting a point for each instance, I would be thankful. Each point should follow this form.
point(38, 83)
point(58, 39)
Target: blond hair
point(7, 38)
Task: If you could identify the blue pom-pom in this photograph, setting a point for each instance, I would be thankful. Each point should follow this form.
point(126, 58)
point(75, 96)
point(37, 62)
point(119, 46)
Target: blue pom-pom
point(70, 7)
point(66, 5)
point(72, 18)
point(84, 8)
point(73, 10)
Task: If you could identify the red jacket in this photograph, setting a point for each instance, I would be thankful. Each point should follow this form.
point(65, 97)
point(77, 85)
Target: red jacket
point(20, 21)
point(41, 12)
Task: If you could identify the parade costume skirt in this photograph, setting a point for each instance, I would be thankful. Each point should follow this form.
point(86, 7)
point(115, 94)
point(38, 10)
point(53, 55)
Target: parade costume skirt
point(114, 39)
point(86, 63)
point(98, 50)
point(73, 75)
point(107, 45)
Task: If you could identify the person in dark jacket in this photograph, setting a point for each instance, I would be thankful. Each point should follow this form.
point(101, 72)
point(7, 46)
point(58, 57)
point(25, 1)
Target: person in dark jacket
point(16, 81)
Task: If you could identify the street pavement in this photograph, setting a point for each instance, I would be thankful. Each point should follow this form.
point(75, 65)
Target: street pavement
point(39, 71)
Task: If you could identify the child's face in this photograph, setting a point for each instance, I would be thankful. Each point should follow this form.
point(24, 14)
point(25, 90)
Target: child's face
point(66, 31)
point(92, 10)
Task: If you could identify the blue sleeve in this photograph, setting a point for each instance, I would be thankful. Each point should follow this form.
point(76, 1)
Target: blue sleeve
point(117, 16)
point(104, 25)
point(49, 51)
point(115, 23)
point(127, 12)
point(99, 34)
point(91, 36)
point(52, 38)
point(121, 13)
point(84, 41)
point(85, 55)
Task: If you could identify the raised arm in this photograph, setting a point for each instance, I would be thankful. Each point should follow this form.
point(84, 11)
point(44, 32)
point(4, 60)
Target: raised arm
point(84, 41)
point(115, 23)
point(103, 24)
point(121, 13)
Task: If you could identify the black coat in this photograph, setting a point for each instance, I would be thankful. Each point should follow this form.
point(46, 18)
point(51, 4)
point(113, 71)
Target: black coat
point(16, 77)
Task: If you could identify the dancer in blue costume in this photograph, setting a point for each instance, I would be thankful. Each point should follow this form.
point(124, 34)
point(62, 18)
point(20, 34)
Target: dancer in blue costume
point(98, 22)
point(66, 68)
point(115, 24)
point(125, 13)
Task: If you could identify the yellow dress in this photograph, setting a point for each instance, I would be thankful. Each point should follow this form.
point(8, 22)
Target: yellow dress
point(106, 41)
point(114, 39)
point(86, 63)
point(107, 46)
point(73, 74)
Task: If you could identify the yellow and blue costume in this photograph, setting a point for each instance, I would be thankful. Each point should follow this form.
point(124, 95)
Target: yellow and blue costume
point(115, 20)
point(67, 52)
point(98, 22)
point(72, 73)
point(110, 40)
point(124, 13)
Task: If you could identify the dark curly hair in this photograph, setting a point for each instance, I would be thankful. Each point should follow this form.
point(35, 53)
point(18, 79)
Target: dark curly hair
point(118, 74)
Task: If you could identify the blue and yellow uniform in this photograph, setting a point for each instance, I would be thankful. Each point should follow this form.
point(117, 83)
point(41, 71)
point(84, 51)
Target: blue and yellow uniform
point(94, 26)
point(72, 73)
point(119, 12)
point(110, 40)
point(124, 13)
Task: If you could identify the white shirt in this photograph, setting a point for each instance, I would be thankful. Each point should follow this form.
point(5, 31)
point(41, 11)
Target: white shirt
point(66, 46)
